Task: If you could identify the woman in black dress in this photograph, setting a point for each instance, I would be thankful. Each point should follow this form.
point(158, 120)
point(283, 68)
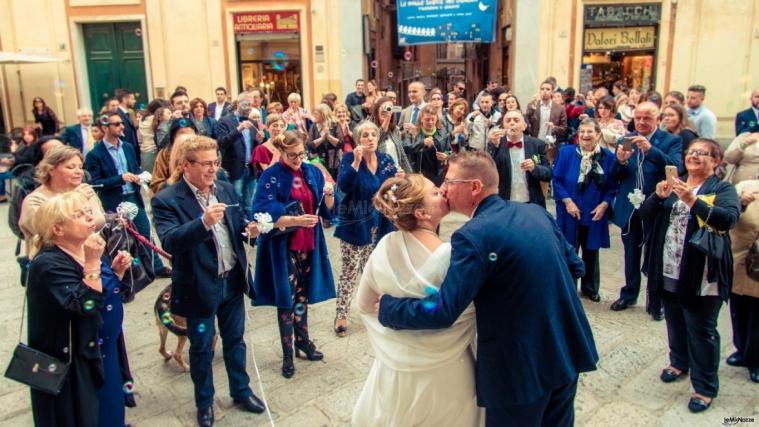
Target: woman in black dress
point(45, 119)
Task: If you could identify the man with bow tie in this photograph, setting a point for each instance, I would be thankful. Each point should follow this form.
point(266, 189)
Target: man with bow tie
point(520, 160)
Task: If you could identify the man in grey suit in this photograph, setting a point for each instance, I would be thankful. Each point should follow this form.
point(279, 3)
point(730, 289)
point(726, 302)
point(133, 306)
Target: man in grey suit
point(410, 114)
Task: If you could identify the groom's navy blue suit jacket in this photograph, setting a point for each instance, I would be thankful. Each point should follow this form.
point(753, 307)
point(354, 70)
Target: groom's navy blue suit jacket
point(532, 333)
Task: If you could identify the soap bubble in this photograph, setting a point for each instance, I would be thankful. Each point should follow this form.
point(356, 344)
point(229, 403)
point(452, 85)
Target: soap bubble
point(109, 307)
point(166, 318)
point(129, 387)
point(201, 328)
point(52, 367)
point(89, 305)
point(493, 256)
point(279, 60)
point(300, 309)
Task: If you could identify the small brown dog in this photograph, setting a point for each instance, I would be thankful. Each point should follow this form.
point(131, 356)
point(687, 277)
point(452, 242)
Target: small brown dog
point(168, 322)
point(177, 325)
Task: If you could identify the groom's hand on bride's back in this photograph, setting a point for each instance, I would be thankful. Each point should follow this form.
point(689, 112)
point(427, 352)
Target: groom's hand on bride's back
point(377, 303)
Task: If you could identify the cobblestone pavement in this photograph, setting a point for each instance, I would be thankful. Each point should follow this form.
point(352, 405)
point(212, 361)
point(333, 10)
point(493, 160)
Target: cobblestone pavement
point(625, 390)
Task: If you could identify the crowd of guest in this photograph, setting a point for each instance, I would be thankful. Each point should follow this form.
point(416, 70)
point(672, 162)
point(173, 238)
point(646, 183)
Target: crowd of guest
point(685, 207)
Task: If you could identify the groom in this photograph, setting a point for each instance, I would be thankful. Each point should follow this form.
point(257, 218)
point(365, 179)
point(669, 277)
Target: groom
point(533, 338)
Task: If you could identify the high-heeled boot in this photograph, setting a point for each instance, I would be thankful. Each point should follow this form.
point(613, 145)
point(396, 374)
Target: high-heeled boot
point(308, 347)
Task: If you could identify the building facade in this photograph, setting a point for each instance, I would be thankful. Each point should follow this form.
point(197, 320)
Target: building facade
point(652, 45)
point(152, 46)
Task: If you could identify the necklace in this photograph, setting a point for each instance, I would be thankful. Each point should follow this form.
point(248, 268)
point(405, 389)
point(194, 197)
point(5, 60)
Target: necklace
point(426, 230)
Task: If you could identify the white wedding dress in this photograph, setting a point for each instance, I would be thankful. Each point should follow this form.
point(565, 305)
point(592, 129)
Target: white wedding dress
point(419, 378)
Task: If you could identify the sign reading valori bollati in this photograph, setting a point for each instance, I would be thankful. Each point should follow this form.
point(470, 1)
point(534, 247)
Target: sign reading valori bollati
point(444, 21)
point(265, 22)
point(625, 38)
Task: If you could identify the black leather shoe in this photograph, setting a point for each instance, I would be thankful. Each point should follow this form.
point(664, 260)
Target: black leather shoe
point(251, 404)
point(668, 375)
point(594, 298)
point(309, 348)
point(696, 405)
point(753, 373)
point(658, 316)
point(288, 369)
point(620, 305)
point(735, 359)
point(205, 417)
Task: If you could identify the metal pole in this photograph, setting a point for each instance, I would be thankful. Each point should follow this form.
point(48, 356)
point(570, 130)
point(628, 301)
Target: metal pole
point(21, 93)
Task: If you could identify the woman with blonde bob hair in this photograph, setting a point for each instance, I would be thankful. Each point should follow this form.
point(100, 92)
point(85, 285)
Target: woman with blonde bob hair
point(61, 170)
point(413, 371)
point(75, 314)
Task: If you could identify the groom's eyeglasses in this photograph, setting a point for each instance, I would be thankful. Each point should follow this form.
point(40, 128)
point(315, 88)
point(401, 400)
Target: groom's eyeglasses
point(449, 182)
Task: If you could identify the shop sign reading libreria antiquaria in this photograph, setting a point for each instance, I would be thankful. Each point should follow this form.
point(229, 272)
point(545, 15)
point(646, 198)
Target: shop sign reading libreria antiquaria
point(625, 38)
point(265, 22)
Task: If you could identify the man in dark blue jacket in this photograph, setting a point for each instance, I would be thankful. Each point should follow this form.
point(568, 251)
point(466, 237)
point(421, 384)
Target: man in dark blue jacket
point(238, 137)
point(113, 164)
point(748, 118)
point(533, 338)
point(126, 103)
point(638, 171)
point(198, 220)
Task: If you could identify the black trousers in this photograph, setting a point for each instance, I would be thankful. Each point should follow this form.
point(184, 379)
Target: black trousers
point(694, 342)
point(555, 409)
point(591, 281)
point(744, 312)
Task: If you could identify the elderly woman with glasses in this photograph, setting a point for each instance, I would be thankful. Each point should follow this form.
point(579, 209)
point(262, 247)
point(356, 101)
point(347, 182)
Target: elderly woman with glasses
point(689, 264)
point(359, 225)
point(292, 263)
point(75, 315)
point(583, 193)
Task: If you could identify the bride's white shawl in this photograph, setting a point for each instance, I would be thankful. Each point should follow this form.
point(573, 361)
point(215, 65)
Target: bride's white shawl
point(401, 266)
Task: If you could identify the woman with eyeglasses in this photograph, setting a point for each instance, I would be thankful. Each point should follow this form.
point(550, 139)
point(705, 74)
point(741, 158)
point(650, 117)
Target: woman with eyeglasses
point(583, 193)
point(359, 225)
point(689, 265)
point(292, 263)
point(75, 314)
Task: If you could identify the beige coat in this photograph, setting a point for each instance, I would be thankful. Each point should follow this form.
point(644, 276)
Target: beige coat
point(743, 236)
point(746, 161)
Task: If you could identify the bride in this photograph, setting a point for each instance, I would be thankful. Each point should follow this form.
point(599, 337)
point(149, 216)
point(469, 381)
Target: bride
point(419, 378)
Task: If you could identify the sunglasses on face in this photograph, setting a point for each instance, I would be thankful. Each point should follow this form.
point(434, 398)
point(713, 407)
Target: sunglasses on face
point(116, 124)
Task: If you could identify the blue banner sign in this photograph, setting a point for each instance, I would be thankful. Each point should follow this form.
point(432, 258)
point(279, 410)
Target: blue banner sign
point(446, 21)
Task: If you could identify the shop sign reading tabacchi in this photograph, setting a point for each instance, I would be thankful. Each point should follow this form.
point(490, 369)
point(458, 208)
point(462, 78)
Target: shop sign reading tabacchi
point(265, 22)
point(625, 38)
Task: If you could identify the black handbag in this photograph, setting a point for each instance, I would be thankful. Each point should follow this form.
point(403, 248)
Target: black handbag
point(752, 261)
point(36, 369)
point(293, 208)
point(708, 240)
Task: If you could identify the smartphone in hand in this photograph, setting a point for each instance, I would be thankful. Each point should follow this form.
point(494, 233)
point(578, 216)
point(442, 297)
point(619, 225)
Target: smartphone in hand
point(627, 142)
point(670, 172)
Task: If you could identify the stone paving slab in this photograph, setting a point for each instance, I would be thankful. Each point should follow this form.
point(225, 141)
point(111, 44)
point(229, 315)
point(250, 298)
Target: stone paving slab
point(625, 390)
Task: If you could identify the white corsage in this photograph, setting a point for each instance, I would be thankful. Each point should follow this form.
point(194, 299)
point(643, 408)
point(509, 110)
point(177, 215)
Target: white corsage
point(264, 221)
point(145, 177)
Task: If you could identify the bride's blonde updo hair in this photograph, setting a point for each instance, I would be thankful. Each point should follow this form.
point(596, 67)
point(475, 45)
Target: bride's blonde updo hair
point(399, 197)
